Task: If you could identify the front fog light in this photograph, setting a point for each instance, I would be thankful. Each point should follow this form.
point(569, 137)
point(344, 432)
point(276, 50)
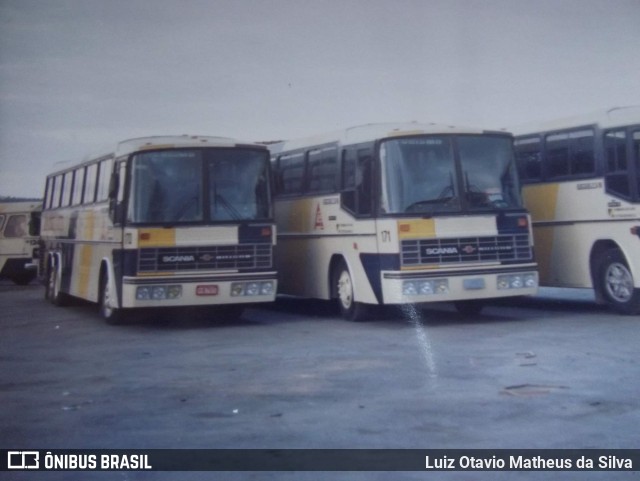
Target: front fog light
point(516, 282)
point(159, 293)
point(253, 289)
point(174, 292)
point(426, 287)
point(530, 280)
point(503, 282)
point(143, 293)
point(409, 288)
point(442, 286)
point(266, 288)
point(237, 289)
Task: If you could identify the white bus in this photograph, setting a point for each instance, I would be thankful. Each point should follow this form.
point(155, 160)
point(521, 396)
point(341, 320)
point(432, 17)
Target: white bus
point(19, 228)
point(161, 221)
point(401, 213)
point(581, 183)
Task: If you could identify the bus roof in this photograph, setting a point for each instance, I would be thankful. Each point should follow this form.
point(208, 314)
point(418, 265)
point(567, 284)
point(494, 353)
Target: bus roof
point(175, 141)
point(129, 146)
point(613, 117)
point(369, 132)
point(10, 206)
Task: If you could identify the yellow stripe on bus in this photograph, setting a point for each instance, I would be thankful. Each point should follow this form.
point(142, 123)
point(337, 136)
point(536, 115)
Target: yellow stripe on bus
point(416, 229)
point(157, 238)
point(541, 201)
point(84, 270)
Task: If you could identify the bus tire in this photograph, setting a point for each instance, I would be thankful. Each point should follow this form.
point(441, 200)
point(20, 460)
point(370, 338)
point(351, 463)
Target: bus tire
point(469, 308)
point(53, 292)
point(615, 283)
point(350, 309)
point(108, 312)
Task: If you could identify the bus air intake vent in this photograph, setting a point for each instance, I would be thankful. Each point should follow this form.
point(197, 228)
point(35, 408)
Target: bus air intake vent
point(511, 248)
point(243, 256)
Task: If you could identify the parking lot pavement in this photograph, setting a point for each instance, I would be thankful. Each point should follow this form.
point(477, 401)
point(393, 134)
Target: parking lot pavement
point(542, 372)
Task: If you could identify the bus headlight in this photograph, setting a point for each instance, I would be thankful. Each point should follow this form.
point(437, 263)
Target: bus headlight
point(409, 288)
point(252, 288)
point(530, 280)
point(425, 288)
point(143, 293)
point(266, 288)
point(237, 289)
point(517, 281)
point(441, 286)
point(158, 293)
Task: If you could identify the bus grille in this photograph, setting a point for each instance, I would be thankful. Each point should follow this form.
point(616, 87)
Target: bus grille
point(243, 256)
point(501, 248)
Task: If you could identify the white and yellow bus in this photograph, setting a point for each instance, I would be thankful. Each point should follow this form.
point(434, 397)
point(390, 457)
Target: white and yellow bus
point(401, 213)
point(581, 183)
point(162, 221)
point(19, 229)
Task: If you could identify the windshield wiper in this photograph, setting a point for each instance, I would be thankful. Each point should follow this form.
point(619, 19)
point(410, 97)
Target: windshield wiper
point(439, 200)
point(235, 215)
point(446, 195)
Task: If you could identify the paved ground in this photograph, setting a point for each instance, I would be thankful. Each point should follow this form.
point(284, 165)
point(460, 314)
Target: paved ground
point(544, 372)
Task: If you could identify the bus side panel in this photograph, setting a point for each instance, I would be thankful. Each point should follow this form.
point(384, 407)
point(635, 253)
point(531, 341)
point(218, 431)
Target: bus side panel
point(82, 237)
point(568, 219)
point(311, 232)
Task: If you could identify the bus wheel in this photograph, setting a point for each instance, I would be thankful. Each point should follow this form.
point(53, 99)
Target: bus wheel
point(616, 283)
point(349, 308)
point(53, 293)
point(108, 311)
point(469, 308)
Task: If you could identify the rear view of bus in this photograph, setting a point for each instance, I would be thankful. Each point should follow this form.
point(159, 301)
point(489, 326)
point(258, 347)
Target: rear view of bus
point(177, 221)
point(402, 214)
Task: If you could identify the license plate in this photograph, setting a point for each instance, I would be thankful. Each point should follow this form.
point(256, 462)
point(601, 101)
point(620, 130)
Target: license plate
point(207, 290)
point(473, 284)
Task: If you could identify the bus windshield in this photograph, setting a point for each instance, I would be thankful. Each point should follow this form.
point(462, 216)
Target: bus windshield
point(199, 185)
point(489, 172)
point(420, 174)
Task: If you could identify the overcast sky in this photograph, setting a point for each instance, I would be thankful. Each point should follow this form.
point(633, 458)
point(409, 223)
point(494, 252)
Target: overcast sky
point(79, 75)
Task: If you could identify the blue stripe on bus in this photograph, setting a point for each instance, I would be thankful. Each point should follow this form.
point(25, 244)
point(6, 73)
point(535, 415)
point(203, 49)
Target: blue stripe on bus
point(375, 263)
point(510, 223)
point(254, 234)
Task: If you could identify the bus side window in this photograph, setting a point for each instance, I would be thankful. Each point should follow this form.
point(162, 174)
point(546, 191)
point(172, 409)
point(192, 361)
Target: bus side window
point(48, 202)
point(529, 158)
point(78, 186)
point(90, 184)
point(582, 156)
point(615, 164)
point(557, 147)
point(322, 170)
point(291, 173)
